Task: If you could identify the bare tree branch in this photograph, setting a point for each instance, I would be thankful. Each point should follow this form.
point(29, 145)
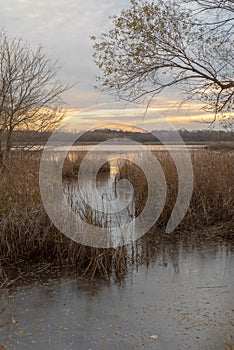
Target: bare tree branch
point(154, 46)
point(30, 95)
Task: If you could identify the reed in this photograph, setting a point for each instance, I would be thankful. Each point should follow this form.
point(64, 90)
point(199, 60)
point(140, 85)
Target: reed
point(26, 232)
point(73, 160)
point(213, 193)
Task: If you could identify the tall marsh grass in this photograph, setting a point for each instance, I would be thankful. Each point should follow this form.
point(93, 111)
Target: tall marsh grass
point(27, 233)
point(213, 193)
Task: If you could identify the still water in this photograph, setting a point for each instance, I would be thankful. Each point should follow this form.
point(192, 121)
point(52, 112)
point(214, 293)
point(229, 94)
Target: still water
point(113, 147)
point(183, 299)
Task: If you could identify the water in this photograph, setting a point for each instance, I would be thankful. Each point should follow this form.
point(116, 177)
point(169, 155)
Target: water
point(116, 147)
point(182, 300)
point(180, 297)
point(135, 148)
point(99, 193)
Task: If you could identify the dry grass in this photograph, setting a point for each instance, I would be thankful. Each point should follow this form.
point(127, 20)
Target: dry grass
point(213, 194)
point(27, 233)
point(221, 146)
point(73, 160)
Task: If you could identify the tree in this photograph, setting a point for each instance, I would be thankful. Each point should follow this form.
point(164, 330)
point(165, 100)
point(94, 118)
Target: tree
point(228, 122)
point(30, 95)
point(217, 5)
point(158, 45)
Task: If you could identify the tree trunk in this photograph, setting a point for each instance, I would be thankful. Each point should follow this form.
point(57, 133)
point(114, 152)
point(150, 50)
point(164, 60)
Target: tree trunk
point(1, 155)
point(8, 143)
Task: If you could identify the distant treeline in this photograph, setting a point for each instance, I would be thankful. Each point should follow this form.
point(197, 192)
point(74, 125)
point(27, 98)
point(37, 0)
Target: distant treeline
point(100, 135)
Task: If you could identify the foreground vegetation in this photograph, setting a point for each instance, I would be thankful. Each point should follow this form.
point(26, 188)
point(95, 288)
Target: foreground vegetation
point(27, 233)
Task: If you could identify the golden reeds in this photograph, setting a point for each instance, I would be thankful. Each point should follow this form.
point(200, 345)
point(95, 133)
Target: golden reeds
point(27, 233)
point(213, 193)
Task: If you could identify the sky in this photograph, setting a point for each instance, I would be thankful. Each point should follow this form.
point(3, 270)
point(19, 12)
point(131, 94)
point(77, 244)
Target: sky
point(64, 28)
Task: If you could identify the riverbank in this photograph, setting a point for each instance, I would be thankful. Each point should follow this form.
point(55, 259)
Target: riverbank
point(145, 251)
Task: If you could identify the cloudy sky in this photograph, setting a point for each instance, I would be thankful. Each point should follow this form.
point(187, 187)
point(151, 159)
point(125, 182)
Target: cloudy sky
point(64, 28)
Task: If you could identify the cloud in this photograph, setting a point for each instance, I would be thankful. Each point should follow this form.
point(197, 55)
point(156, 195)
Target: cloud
point(64, 28)
point(106, 115)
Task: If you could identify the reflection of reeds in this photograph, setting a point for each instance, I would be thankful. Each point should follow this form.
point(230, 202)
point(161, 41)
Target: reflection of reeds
point(27, 233)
